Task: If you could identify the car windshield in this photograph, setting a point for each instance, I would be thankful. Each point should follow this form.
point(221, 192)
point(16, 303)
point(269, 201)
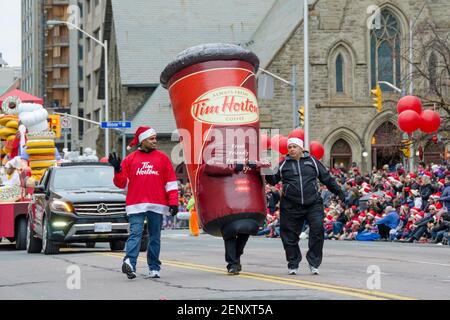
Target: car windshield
point(90, 178)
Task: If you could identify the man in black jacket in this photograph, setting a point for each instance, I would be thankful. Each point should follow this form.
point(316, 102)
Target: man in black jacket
point(300, 201)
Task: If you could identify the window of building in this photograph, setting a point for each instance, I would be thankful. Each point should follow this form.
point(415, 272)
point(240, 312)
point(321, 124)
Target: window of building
point(81, 94)
point(341, 69)
point(385, 44)
point(97, 115)
point(97, 35)
point(88, 80)
point(339, 74)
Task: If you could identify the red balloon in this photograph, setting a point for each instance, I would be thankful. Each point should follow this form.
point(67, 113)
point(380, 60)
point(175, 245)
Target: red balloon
point(265, 142)
point(275, 142)
point(283, 145)
point(409, 121)
point(430, 121)
point(317, 149)
point(409, 103)
point(297, 133)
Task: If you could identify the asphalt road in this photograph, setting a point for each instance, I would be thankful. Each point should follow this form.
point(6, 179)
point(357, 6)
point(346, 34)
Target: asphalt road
point(194, 269)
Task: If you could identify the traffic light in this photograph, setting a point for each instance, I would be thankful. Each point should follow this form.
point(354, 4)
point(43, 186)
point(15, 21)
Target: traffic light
point(54, 124)
point(301, 112)
point(406, 148)
point(378, 98)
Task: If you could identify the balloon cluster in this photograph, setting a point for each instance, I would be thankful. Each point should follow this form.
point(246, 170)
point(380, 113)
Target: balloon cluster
point(279, 143)
point(411, 117)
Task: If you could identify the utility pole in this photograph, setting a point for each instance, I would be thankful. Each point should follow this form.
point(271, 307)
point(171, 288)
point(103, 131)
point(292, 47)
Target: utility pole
point(306, 69)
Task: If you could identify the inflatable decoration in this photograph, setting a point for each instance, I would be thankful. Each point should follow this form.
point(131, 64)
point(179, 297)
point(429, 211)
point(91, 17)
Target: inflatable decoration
point(409, 121)
point(9, 124)
point(317, 149)
point(213, 92)
point(297, 133)
point(430, 121)
point(40, 148)
point(409, 103)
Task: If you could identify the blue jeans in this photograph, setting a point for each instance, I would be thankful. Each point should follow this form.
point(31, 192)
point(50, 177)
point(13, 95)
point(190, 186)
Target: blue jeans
point(154, 224)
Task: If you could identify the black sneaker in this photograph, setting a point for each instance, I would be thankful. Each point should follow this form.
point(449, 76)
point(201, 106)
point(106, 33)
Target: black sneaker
point(127, 268)
point(233, 270)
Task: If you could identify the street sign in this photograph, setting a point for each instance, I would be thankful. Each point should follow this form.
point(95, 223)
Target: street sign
point(116, 125)
point(66, 122)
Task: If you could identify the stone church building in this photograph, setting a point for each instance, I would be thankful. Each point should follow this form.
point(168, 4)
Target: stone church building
point(348, 56)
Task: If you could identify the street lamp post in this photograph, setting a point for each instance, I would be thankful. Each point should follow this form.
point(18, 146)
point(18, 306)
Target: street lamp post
point(104, 45)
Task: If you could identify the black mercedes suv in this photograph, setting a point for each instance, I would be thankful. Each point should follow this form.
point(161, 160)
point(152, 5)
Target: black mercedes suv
point(77, 203)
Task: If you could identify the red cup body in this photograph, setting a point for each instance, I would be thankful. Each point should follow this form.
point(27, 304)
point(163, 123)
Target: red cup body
point(217, 116)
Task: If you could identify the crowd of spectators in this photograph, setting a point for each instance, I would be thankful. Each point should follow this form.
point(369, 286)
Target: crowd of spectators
point(388, 204)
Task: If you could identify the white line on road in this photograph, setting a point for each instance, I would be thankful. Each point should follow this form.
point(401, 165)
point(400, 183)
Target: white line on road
point(432, 263)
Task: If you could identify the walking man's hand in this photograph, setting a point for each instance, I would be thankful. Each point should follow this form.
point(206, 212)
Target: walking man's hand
point(115, 162)
point(173, 210)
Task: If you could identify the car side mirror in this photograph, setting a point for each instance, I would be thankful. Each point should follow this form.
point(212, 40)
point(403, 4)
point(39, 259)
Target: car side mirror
point(40, 189)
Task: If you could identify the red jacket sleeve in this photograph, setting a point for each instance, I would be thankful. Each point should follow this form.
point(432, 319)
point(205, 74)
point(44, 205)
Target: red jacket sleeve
point(171, 184)
point(121, 179)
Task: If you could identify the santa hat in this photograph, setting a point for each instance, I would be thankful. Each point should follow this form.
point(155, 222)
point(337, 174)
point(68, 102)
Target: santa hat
point(415, 210)
point(374, 197)
point(412, 175)
point(441, 182)
point(439, 206)
point(141, 134)
point(297, 142)
point(362, 216)
point(435, 196)
point(428, 173)
point(378, 216)
point(389, 195)
point(365, 190)
point(329, 218)
point(371, 213)
point(356, 221)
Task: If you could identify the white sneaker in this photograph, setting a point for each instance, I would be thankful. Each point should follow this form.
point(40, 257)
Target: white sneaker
point(154, 274)
point(292, 272)
point(314, 271)
point(127, 268)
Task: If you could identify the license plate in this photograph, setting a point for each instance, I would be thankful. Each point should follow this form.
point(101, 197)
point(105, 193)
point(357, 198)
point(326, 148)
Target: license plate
point(103, 227)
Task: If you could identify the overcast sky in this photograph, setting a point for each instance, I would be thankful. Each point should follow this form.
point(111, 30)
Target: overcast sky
point(10, 31)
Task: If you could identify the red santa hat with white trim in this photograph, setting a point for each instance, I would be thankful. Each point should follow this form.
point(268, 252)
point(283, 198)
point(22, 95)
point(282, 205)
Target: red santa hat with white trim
point(141, 134)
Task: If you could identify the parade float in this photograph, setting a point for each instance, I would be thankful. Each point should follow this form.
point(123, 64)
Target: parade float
point(27, 150)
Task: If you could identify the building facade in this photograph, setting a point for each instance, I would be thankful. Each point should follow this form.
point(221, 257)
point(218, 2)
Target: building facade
point(349, 53)
point(92, 71)
point(33, 47)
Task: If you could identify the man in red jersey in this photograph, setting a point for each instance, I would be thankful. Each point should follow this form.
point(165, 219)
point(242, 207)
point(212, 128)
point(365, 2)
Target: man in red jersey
point(152, 191)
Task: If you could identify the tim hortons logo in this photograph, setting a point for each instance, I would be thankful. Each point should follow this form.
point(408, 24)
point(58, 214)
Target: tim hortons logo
point(226, 106)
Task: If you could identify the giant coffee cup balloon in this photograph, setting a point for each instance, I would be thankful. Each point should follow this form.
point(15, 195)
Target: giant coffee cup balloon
point(212, 88)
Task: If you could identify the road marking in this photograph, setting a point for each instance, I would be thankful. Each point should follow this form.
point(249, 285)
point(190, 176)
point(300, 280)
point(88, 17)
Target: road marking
point(433, 263)
point(347, 291)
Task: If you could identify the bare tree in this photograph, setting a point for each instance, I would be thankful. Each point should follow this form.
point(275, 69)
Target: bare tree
point(431, 73)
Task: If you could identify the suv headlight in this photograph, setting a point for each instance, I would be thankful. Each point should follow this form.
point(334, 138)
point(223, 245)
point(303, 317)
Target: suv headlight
point(61, 206)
